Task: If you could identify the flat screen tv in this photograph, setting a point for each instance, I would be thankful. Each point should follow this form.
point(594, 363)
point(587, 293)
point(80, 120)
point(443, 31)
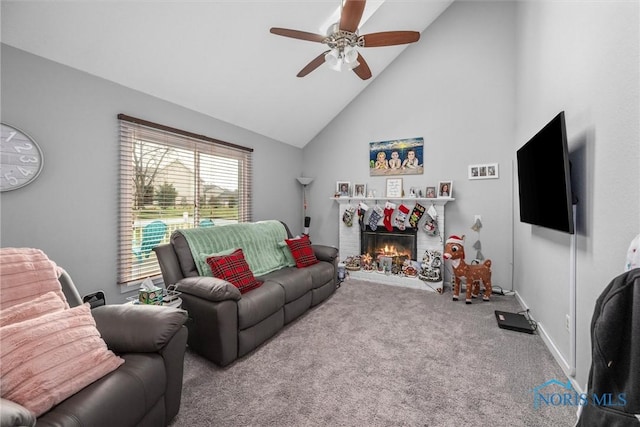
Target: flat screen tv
point(544, 178)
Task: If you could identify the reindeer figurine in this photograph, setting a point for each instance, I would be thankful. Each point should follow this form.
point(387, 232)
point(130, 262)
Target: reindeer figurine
point(474, 273)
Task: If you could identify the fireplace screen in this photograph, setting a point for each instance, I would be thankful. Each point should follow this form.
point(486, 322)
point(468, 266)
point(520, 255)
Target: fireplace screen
point(400, 245)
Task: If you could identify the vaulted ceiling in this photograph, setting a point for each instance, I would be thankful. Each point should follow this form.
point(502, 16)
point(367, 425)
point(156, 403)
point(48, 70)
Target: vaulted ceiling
point(215, 57)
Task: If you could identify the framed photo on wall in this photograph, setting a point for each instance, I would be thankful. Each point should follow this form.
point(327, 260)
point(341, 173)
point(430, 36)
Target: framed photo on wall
point(396, 157)
point(445, 189)
point(484, 171)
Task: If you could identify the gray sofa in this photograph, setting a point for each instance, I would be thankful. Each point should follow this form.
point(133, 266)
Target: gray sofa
point(225, 325)
point(144, 391)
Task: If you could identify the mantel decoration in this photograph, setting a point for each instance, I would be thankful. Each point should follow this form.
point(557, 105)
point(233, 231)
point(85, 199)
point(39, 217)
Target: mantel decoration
point(394, 187)
point(396, 157)
point(343, 189)
point(445, 189)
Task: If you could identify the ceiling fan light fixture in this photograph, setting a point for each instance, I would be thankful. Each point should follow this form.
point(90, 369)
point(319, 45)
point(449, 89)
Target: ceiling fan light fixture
point(342, 59)
point(350, 55)
point(333, 60)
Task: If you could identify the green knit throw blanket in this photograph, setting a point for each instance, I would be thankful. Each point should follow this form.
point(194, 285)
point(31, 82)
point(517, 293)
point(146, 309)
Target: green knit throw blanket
point(261, 242)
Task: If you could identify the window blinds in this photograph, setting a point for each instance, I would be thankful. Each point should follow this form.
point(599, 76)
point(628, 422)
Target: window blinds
point(172, 179)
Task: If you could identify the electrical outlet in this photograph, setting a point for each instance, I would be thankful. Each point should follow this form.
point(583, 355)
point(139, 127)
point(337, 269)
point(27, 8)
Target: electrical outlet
point(567, 322)
point(477, 217)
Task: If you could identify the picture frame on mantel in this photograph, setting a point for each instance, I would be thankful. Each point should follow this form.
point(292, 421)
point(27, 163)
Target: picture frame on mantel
point(394, 187)
point(445, 189)
point(343, 189)
point(359, 190)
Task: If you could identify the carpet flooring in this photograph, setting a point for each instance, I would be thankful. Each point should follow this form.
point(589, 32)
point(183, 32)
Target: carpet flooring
point(381, 355)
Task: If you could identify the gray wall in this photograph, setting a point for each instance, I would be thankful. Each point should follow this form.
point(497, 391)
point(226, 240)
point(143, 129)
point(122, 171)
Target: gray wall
point(482, 80)
point(70, 211)
point(456, 89)
point(581, 57)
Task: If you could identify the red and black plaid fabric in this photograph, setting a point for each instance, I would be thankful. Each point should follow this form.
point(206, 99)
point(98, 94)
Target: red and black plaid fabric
point(302, 251)
point(234, 269)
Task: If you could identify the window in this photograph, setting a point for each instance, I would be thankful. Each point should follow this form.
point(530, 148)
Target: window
point(172, 179)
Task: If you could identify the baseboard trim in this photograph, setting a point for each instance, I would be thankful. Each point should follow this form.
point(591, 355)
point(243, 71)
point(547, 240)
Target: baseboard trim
point(551, 346)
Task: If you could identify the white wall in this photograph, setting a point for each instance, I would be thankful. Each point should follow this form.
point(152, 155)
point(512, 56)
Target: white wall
point(70, 211)
point(456, 89)
point(580, 57)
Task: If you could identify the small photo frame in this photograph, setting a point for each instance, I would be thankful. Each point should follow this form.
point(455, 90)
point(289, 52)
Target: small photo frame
point(394, 187)
point(483, 171)
point(360, 190)
point(343, 189)
point(431, 193)
point(445, 189)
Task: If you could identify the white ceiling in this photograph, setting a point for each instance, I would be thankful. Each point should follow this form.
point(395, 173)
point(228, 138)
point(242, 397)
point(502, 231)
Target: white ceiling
point(215, 57)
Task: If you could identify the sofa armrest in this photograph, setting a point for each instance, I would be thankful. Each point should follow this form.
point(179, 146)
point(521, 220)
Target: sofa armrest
point(13, 414)
point(209, 288)
point(325, 253)
point(130, 328)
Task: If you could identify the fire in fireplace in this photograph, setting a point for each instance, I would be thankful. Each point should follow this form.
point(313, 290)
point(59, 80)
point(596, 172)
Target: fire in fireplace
point(400, 245)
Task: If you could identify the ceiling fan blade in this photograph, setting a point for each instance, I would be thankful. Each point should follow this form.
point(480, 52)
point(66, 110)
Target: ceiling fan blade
point(362, 70)
point(315, 63)
point(295, 34)
point(351, 15)
point(390, 38)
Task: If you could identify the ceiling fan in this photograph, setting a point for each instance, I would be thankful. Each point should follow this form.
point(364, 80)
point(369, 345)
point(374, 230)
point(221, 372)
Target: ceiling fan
point(342, 39)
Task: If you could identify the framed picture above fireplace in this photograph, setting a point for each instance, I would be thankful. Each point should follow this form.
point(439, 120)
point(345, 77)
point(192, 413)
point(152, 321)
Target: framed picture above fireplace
point(396, 157)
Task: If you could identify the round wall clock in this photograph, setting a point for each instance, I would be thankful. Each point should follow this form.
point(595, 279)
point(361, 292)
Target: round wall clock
point(21, 159)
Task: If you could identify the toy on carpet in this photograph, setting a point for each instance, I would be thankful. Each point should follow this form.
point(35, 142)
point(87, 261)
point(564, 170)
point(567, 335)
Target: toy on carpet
point(474, 274)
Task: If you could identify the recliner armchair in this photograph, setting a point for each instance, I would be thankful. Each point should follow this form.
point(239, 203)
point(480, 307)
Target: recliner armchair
point(144, 391)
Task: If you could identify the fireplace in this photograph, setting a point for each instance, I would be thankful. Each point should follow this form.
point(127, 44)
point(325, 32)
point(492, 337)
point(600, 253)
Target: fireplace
point(351, 243)
point(400, 245)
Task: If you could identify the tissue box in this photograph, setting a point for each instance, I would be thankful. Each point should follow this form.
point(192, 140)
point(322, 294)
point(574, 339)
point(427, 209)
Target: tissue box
point(150, 296)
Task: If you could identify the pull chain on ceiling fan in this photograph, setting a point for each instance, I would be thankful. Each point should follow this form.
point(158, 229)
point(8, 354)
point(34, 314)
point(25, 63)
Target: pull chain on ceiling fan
point(343, 40)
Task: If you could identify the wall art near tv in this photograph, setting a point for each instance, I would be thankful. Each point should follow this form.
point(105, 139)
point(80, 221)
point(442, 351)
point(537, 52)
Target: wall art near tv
point(396, 157)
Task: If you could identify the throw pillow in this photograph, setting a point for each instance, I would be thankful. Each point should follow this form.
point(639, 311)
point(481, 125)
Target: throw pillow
point(290, 260)
point(203, 256)
point(51, 357)
point(26, 273)
point(47, 303)
point(302, 251)
point(234, 268)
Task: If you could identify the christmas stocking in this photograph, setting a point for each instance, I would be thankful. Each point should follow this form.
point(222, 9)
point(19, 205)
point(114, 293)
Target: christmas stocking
point(401, 217)
point(347, 217)
point(431, 224)
point(388, 211)
point(362, 210)
point(375, 216)
point(416, 214)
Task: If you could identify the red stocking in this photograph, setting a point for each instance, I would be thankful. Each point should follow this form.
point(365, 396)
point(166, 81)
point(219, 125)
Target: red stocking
point(388, 211)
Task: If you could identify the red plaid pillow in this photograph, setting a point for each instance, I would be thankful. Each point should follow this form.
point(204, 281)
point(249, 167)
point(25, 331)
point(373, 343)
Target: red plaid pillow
point(302, 251)
point(234, 269)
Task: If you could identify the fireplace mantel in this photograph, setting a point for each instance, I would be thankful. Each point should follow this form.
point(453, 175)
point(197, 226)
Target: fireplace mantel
point(436, 201)
point(349, 237)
